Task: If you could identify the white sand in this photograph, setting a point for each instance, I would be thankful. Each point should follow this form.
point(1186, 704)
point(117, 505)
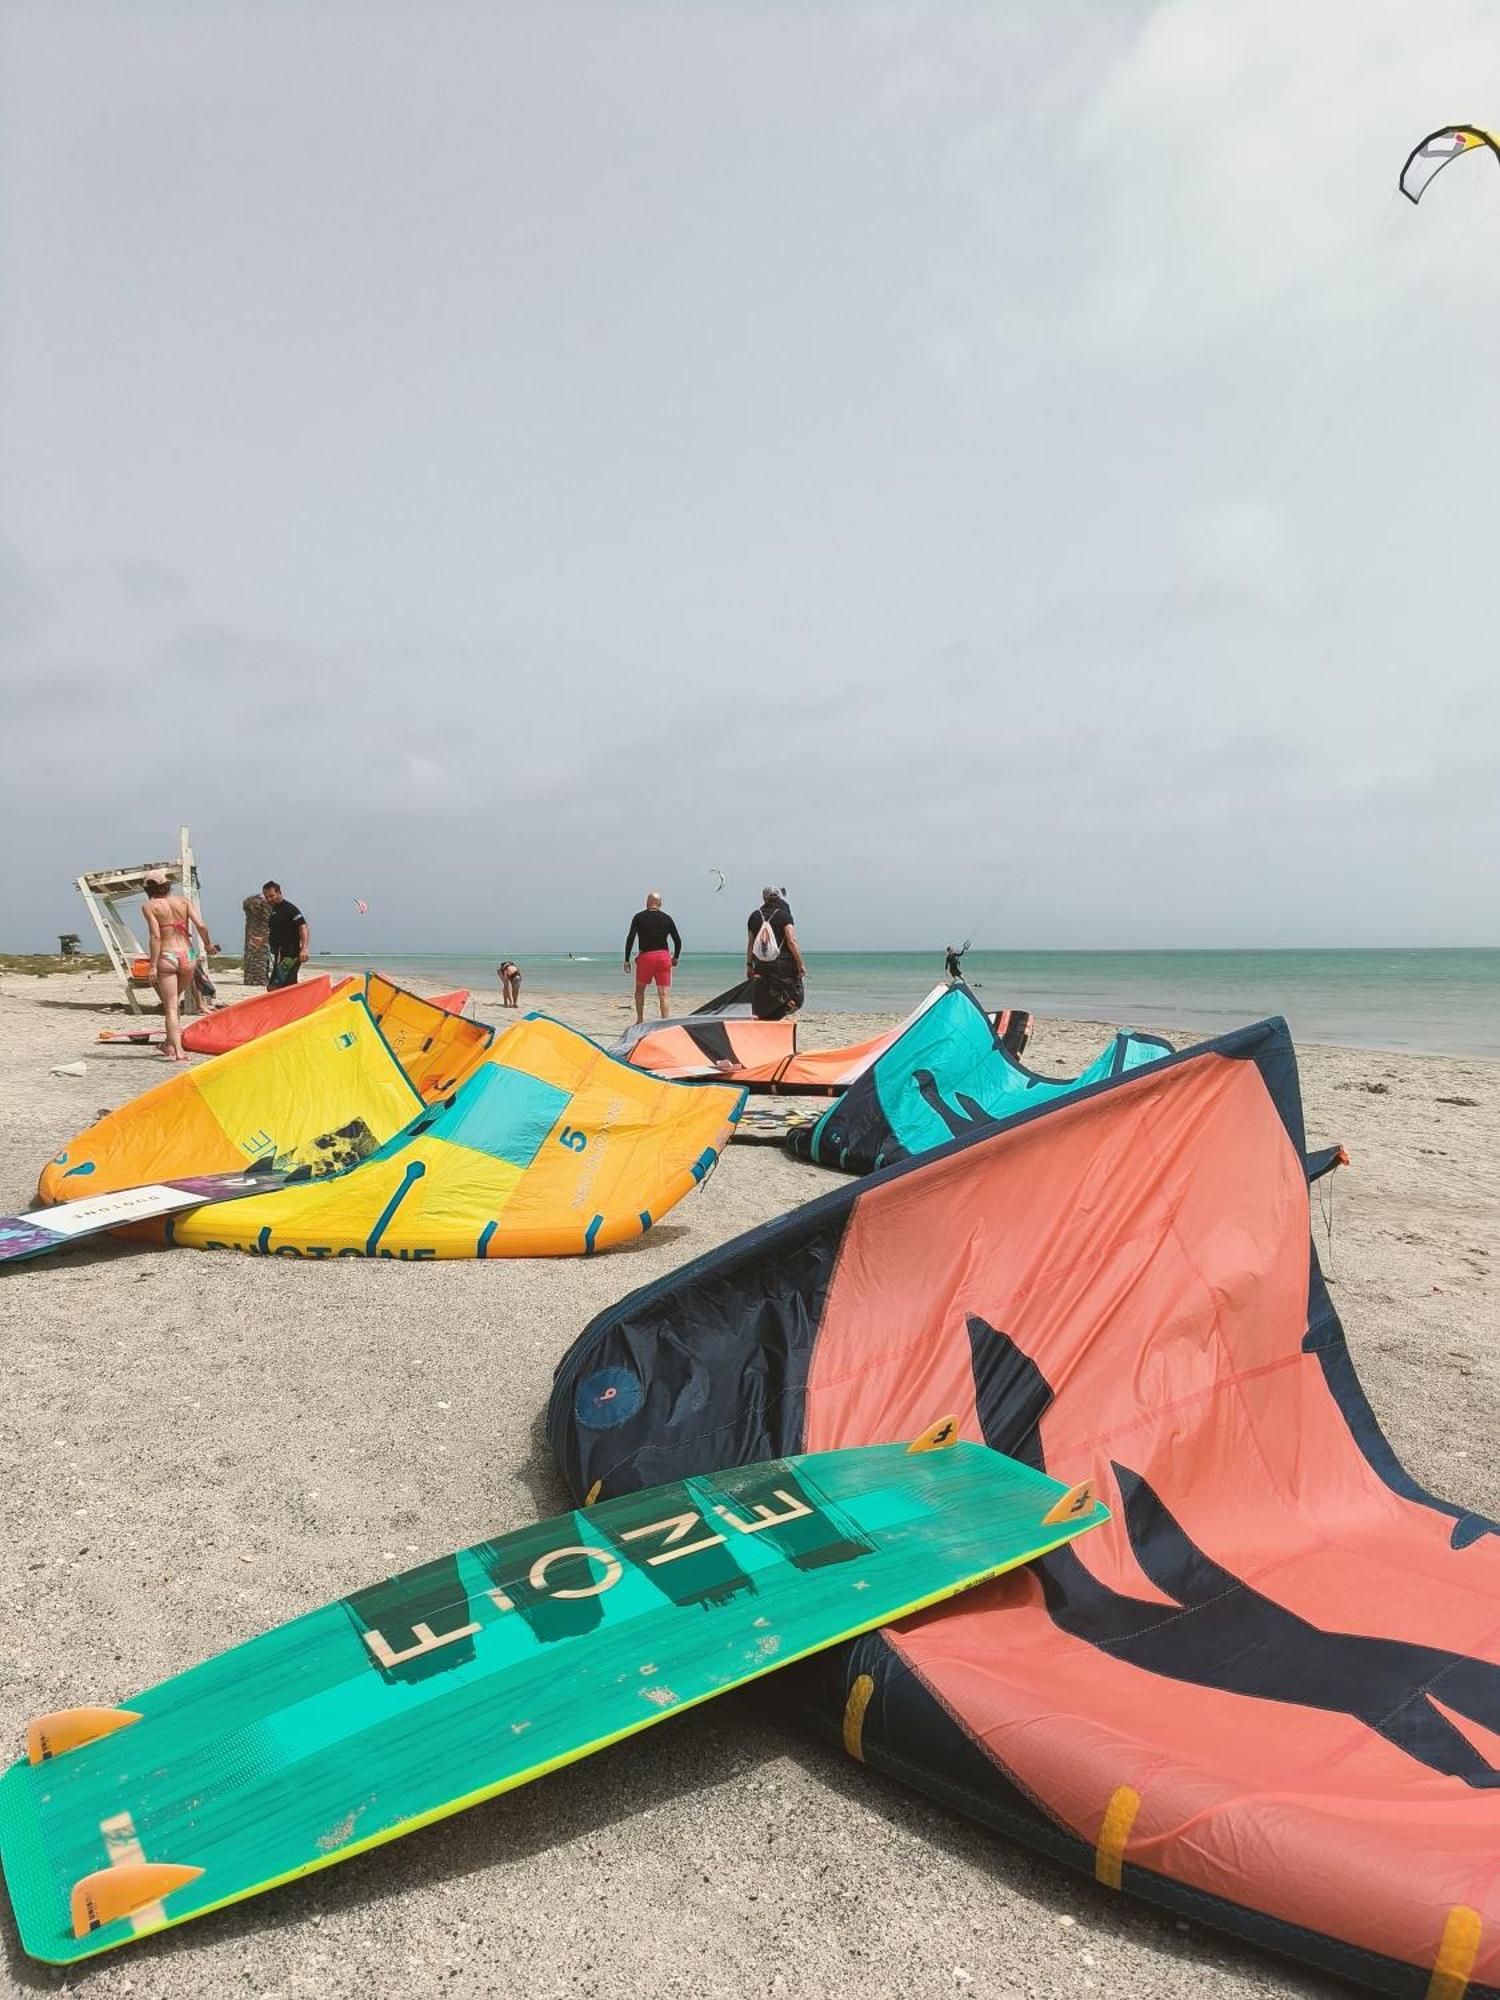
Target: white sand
point(199, 1446)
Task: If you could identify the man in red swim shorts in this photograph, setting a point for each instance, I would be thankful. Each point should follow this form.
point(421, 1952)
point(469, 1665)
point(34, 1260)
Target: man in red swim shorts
point(654, 931)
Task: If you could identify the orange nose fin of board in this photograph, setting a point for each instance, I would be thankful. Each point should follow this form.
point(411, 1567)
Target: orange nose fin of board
point(1073, 1505)
point(936, 1436)
point(70, 1728)
point(121, 1890)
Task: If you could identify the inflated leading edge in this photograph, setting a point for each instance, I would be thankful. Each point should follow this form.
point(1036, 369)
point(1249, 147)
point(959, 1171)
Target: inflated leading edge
point(1267, 1694)
point(416, 1135)
point(948, 1072)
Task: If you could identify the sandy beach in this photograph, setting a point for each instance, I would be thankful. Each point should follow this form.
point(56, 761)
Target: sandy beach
point(201, 1446)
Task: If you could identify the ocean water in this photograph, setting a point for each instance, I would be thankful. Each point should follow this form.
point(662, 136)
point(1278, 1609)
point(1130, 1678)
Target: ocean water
point(1442, 1002)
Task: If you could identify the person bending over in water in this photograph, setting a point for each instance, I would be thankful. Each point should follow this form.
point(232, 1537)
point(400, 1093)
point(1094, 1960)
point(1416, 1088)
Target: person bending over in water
point(169, 921)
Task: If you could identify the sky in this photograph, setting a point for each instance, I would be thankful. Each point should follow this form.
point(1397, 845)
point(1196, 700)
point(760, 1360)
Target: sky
point(1021, 465)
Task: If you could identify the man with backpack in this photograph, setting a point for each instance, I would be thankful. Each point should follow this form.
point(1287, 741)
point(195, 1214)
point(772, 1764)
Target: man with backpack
point(773, 959)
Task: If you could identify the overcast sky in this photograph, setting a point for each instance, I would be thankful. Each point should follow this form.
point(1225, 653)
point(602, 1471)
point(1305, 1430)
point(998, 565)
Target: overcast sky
point(491, 459)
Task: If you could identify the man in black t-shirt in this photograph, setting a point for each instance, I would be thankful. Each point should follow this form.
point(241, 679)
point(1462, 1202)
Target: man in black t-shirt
point(773, 959)
point(654, 931)
point(287, 937)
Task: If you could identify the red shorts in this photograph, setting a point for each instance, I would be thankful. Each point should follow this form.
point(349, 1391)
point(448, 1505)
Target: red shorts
point(653, 968)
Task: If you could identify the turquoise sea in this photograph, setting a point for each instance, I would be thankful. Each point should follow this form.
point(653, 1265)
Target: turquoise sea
point(1443, 1002)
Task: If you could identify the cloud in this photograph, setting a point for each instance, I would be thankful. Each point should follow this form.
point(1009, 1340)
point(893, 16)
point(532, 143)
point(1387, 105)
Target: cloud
point(1243, 546)
point(1172, 175)
point(933, 452)
point(25, 607)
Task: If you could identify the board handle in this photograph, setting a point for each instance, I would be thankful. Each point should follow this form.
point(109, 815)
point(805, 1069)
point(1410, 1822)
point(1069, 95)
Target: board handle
point(936, 1437)
point(123, 1889)
point(1072, 1505)
point(71, 1728)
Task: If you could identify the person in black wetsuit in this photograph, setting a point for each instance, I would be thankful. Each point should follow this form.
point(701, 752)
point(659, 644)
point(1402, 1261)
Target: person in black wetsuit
point(773, 959)
point(288, 937)
point(660, 948)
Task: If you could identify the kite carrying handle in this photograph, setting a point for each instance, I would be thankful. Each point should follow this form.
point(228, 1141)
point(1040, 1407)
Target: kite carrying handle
point(123, 1890)
point(937, 1437)
point(71, 1728)
point(1072, 1505)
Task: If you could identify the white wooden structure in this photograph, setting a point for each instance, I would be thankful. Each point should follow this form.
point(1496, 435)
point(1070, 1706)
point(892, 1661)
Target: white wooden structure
point(104, 889)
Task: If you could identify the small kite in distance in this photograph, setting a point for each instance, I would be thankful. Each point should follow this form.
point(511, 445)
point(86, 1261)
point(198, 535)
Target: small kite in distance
point(721, 881)
point(362, 906)
point(1429, 156)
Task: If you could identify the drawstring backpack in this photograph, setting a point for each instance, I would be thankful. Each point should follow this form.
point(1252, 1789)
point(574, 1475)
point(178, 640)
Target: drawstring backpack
point(764, 945)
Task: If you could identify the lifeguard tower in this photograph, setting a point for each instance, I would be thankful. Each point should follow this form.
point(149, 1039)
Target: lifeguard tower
point(104, 889)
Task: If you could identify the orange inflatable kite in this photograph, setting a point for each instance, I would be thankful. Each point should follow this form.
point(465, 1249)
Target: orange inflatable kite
point(1267, 1693)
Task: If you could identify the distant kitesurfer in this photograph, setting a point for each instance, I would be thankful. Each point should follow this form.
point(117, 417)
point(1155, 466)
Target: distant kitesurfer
point(953, 963)
point(773, 959)
point(510, 983)
point(654, 931)
point(169, 921)
point(288, 933)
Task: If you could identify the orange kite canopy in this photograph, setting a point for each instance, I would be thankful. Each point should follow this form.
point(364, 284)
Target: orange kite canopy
point(1267, 1693)
point(231, 1027)
point(761, 1055)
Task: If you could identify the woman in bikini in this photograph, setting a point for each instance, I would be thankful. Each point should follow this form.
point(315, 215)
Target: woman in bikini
point(169, 921)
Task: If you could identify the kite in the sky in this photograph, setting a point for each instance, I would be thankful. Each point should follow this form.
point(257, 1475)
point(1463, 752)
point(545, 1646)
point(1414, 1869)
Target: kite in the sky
point(1427, 159)
point(721, 881)
point(362, 906)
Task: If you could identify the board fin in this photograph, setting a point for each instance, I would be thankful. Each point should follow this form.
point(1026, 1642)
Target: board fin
point(936, 1437)
point(122, 1889)
point(1072, 1506)
point(70, 1728)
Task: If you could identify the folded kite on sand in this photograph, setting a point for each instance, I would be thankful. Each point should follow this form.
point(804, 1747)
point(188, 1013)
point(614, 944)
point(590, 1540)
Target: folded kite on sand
point(948, 1072)
point(247, 1020)
point(1267, 1694)
point(764, 1056)
point(410, 1132)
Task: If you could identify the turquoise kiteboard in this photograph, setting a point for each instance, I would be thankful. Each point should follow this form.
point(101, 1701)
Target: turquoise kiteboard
point(483, 1670)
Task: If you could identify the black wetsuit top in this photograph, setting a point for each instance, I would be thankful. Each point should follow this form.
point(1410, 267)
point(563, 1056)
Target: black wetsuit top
point(653, 930)
point(285, 921)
